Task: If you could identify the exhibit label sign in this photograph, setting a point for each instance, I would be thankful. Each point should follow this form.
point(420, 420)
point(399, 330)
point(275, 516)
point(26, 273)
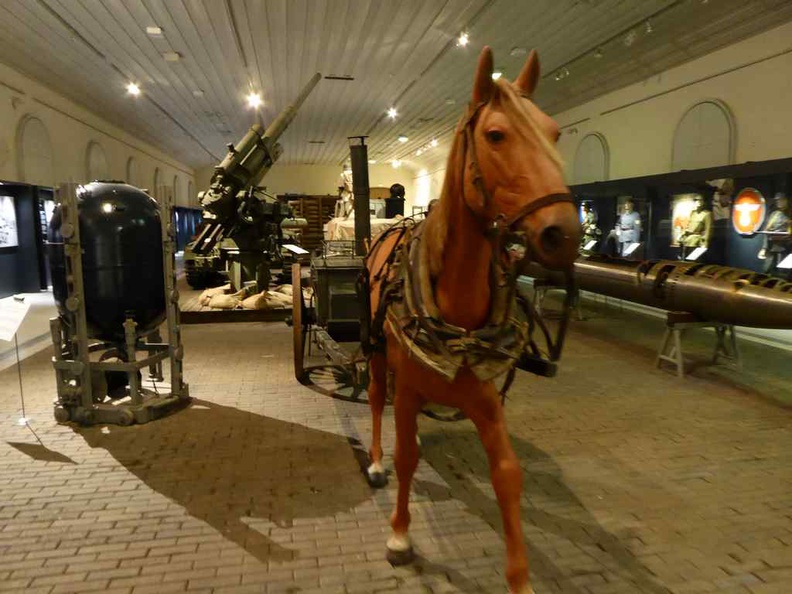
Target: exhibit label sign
point(12, 312)
point(748, 212)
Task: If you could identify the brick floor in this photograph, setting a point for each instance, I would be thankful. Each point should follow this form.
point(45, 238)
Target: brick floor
point(635, 481)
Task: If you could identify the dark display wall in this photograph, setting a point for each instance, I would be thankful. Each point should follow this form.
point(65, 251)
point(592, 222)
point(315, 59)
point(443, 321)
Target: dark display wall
point(20, 266)
point(186, 221)
point(655, 196)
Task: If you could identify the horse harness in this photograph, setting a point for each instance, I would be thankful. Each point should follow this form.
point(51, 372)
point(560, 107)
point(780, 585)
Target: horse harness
point(406, 299)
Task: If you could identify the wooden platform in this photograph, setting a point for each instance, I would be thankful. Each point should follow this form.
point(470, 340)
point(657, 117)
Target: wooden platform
point(193, 312)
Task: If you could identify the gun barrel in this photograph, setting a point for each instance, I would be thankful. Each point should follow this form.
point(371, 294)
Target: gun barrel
point(712, 293)
point(280, 123)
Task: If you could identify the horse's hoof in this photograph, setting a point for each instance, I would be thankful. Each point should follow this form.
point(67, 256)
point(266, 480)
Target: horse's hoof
point(400, 550)
point(376, 477)
point(377, 480)
point(400, 557)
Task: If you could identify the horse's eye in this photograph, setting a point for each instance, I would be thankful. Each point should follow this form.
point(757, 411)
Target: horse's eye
point(495, 136)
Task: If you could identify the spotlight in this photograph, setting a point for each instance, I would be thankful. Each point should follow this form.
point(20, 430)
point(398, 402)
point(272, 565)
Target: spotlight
point(395, 163)
point(403, 139)
point(254, 100)
point(133, 89)
point(496, 74)
point(434, 142)
point(392, 113)
point(463, 40)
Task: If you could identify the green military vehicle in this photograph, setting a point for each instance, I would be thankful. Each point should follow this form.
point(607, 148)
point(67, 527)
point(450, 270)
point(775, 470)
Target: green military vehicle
point(204, 270)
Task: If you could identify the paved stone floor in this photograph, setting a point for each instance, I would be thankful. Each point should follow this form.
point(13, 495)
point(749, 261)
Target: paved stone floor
point(635, 481)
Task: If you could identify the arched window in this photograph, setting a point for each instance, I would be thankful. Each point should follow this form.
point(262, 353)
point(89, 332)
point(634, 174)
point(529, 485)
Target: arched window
point(592, 159)
point(34, 153)
point(157, 183)
point(132, 173)
point(95, 162)
point(704, 137)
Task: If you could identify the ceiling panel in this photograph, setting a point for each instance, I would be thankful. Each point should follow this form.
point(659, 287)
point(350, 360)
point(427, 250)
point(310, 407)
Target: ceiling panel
point(400, 53)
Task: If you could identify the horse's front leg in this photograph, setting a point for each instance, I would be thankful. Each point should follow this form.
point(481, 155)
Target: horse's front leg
point(407, 405)
point(484, 408)
point(377, 394)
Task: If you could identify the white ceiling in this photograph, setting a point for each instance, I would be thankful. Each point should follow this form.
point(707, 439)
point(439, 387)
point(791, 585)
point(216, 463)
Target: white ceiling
point(401, 53)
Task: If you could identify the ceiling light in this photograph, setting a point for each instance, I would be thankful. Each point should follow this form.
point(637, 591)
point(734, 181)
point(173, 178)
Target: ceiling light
point(154, 30)
point(403, 139)
point(395, 163)
point(463, 40)
point(372, 161)
point(496, 74)
point(198, 93)
point(450, 101)
point(171, 56)
point(254, 100)
point(392, 113)
point(598, 53)
point(434, 142)
point(133, 89)
point(649, 27)
point(419, 152)
point(518, 52)
point(629, 39)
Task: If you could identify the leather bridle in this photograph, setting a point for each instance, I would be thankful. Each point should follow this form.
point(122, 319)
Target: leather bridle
point(502, 233)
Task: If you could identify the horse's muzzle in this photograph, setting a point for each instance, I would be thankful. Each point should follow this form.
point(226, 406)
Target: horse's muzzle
point(556, 244)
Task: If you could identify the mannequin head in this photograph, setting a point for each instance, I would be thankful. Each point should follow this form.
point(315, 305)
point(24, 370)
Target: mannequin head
point(698, 202)
point(629, 206)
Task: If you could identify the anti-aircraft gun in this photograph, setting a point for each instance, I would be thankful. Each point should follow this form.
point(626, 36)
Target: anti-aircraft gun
point(238, 214)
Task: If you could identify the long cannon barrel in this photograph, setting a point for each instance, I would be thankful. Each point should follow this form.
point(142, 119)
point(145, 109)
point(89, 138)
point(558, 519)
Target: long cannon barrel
point(711, 293)
point(242, 169)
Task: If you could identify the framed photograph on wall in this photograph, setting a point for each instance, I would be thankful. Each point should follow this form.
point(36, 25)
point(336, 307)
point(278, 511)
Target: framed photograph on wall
point(8, 223)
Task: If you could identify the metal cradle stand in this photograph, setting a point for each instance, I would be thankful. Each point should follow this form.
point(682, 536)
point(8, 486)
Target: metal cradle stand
point(678, 322)
point(81, 366)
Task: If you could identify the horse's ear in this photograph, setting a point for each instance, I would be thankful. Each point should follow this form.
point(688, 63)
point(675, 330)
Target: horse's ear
point(483, 85)
point(529, 75)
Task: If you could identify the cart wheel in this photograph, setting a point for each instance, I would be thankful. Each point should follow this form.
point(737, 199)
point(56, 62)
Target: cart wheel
point(298, 331)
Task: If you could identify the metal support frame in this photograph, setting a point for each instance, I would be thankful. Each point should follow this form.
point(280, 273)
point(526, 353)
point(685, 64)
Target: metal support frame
point(671, 347)
point(81, 401)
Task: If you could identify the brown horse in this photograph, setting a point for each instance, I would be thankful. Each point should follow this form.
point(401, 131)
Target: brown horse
point(437, 288)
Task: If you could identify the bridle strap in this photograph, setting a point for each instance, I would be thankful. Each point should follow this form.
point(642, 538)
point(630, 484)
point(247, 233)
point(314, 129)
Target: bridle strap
point(500, 221)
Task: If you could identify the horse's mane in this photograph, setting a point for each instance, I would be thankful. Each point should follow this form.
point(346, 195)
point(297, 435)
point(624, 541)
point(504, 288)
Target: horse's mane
point(510, 101)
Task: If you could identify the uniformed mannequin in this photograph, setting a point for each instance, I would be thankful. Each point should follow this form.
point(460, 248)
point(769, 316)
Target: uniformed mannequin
point(699, 228)
point(345, 204)
point(628, 229)
point(590, 230)
point(777, 247)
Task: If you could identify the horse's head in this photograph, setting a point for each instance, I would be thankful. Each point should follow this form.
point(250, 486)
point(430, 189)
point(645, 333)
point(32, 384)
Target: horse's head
point(513, 175)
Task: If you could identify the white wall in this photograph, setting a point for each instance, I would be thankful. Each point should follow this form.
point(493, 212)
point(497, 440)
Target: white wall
point(321, 179)
point(753, 78)
point(71, 129)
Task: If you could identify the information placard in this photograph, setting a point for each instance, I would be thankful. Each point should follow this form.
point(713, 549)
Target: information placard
point(12, 312)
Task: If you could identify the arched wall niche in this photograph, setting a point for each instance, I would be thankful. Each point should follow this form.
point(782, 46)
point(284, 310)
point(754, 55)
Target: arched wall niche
point(132, 172)
point(34, 152)
point(95, 162)
point(176, 190)
point(157, 183)
point(592, 159)
point(704, 137)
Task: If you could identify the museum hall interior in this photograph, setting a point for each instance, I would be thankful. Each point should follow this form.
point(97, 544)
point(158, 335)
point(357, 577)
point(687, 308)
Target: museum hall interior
point(421, 296)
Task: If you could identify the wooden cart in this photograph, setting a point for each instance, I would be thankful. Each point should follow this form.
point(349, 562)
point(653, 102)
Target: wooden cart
point(330, 317)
